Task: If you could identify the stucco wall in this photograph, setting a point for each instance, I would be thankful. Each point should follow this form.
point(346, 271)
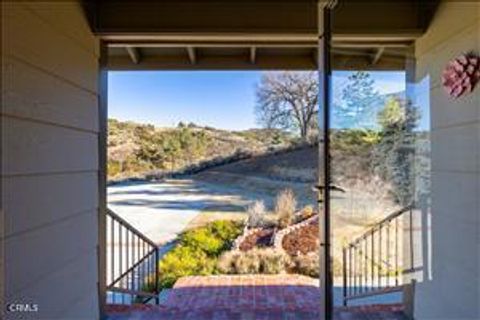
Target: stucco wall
point(49, 177)
point(452, 289)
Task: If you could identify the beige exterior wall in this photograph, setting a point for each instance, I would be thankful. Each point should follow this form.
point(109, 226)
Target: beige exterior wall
point(450, 288)
point(49, 176)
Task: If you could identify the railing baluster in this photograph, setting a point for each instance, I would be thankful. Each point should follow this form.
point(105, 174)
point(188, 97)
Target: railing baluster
point(412, 262)
point(372, 244)
point(112, 224)
point(132, 263)
point(156, 270)
point(354, 274)
point(119, 243)
point(132, 274)
point(365, 263)
point(396, 252)
point(344, 255)
point(388, 255)
point(127, 253)
point(350, 280)
point(360, 267)
point(372, 252)
point(379, 257)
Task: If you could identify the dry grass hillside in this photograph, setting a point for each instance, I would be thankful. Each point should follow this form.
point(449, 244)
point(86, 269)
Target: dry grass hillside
point(267, 174)
point(138, 150)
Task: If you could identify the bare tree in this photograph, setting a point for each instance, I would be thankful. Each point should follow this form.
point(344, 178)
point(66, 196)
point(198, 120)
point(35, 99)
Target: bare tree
point(288, 100)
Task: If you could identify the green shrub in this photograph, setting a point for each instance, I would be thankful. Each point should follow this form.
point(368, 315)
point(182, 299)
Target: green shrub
point(213, 238)
point(113, 168)
point(184, 261)
point(203, 240)
point(197, 251)
point(226, 230)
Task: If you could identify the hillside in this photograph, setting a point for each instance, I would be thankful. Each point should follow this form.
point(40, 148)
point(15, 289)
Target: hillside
point(136, 150)
point(265, 175)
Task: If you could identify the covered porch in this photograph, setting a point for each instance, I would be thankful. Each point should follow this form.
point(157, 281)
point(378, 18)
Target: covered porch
point(55, 61)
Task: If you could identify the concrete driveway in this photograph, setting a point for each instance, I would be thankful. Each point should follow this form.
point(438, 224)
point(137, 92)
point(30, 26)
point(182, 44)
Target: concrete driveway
point(161, 210)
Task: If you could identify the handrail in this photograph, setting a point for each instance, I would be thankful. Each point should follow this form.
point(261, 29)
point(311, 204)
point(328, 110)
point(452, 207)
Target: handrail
point(388, 218)
point(367, 269)
point(139, 262)
point(132, 262)
point(130, 227)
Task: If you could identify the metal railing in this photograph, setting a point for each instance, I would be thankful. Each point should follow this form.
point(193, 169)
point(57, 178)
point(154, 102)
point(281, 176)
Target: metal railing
point(374, 263)
point(132, 263)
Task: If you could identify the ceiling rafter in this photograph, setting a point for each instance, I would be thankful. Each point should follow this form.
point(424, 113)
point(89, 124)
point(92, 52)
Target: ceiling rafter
point(192, 55)
point(253, 55)
point(378, 55)
point(134, 54)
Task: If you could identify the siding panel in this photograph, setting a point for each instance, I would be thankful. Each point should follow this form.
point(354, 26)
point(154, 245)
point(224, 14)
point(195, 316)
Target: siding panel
point(50, 159)
point(33, 148)
point(60, 244)
point(56, 198)
point(28, 92)
point(43, 46)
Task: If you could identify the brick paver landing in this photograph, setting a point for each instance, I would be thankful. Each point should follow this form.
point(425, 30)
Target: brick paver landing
point(255, 297)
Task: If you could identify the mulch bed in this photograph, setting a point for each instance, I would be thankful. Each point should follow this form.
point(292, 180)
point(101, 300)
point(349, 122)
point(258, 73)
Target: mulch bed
point(303, 240)
point(261, 238)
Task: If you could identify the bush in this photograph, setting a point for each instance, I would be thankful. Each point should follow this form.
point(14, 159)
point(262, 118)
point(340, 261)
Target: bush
point(184, 261)
point(197, 251)
point(285, 206)
point(226, 230)
point(307, 212)
point(203, 240)
point(256, 214)
point(213, 238)
point(255, 261)
point(308, 264)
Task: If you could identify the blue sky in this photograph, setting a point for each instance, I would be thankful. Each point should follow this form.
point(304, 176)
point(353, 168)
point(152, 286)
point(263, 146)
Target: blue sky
point(222, 99)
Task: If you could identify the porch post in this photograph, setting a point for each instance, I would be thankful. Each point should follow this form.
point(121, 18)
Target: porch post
point(324, 70)
point(102, 179)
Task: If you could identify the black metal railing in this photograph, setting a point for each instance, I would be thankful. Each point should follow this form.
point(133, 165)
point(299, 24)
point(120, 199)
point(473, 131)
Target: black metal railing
point(132, 263)
point(374, 263)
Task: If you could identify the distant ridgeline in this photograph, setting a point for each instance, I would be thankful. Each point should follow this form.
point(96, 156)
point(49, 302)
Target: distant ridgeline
point(143, 151)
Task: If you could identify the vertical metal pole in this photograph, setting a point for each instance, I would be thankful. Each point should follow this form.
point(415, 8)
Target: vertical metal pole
point(120, 253)
point(388, 254)
point(156, 270)
point(360, 266)
point(412, 264)
point(102, 178)
point(345, 277)
point(354, 269)
point(326, 295)
point(396, 252)
point(120, 248)
point(380, 256)
point(365, 256)
point(349, 270)
point(132, 273)
point(373, 258)
point(112, 246)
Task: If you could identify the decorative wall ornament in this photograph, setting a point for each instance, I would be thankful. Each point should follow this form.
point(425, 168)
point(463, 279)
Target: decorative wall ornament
point(461, 75)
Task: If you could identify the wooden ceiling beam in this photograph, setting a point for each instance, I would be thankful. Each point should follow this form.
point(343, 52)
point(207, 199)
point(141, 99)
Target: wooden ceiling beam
point(134, 54)
point(192, 56)
point(377, 55)
point(253, 55)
